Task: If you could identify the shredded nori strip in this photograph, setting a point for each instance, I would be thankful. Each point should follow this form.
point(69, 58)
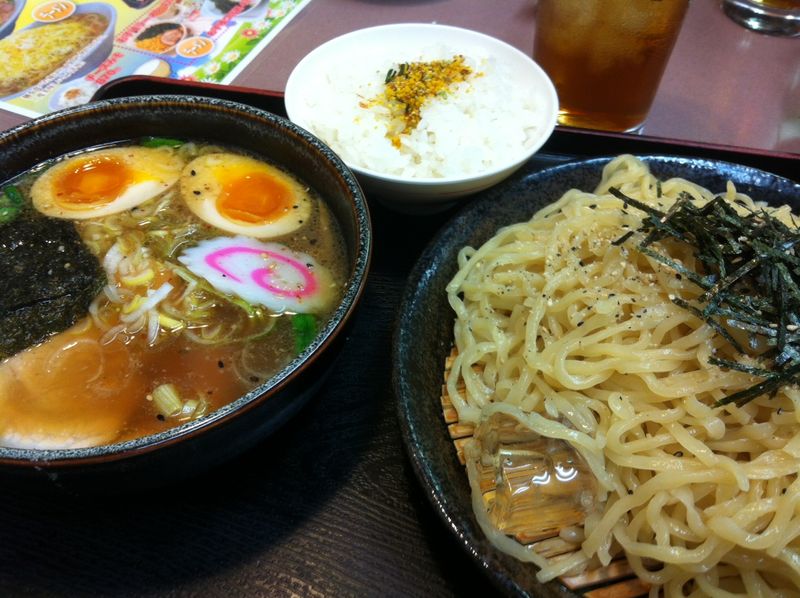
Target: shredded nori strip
point(391, 74)
point(49, 279)
point(750, 279)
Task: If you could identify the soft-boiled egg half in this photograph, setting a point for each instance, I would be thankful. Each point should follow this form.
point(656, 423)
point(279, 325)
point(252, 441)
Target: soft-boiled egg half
point(105, 181)
point(244, 196)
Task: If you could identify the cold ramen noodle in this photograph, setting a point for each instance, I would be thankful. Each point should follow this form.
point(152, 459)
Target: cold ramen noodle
point(628, 361)
point(146, 285)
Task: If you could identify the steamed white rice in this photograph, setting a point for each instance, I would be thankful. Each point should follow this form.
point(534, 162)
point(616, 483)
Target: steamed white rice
point(485, 123)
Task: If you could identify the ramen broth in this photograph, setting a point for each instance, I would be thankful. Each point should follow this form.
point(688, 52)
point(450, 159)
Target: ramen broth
point(166, 319)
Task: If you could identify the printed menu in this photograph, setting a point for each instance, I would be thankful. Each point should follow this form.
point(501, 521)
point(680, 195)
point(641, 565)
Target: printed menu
point(57, 53)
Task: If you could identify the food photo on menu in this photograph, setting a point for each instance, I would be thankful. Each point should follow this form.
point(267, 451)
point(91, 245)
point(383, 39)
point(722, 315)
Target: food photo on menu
point(58, 53)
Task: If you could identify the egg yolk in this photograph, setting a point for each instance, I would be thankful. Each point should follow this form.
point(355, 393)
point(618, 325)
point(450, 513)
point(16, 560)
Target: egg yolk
point(94, 181)
point(254, 198)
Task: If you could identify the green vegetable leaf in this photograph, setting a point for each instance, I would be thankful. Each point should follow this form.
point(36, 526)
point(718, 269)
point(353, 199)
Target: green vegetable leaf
point(305, 329)
point(161, 142)
point(7, 214)
point(11, 204)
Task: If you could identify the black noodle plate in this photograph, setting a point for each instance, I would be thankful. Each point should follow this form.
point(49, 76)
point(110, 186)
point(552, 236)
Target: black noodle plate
point(424, 333)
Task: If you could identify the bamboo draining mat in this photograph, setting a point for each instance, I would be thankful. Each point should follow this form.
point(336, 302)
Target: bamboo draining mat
point(617, 580)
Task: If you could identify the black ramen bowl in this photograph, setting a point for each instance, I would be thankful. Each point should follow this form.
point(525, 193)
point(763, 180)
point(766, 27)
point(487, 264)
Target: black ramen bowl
point(201, 444)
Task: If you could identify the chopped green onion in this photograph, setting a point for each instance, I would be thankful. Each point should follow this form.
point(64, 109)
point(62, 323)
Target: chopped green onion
point(193, 409)
point(188, 409)
point(186, 274)
point(167, 400)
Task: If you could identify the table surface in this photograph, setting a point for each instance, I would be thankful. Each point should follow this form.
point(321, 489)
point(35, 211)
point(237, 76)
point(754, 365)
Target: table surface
point(724, 84)
point(329, 505)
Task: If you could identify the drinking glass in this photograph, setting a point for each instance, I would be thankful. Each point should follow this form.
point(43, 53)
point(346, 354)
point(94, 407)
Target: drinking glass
point(775, 17)
point(606, 57)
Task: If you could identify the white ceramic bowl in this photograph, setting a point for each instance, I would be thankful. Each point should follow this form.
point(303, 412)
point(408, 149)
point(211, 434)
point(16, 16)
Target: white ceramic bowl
point(310, 84)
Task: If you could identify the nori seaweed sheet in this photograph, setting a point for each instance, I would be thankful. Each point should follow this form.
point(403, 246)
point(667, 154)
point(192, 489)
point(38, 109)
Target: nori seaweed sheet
point(49, 278)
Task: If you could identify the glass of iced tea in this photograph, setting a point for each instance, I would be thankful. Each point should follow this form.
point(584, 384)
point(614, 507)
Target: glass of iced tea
point(774, 17)
point(606, 57)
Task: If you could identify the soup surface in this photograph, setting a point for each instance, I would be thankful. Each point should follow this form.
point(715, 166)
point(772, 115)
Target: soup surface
point(218, 269)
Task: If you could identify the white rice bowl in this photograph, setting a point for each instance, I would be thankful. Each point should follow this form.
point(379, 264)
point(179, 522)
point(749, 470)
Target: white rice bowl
point(482, 123)
point(478, 133)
